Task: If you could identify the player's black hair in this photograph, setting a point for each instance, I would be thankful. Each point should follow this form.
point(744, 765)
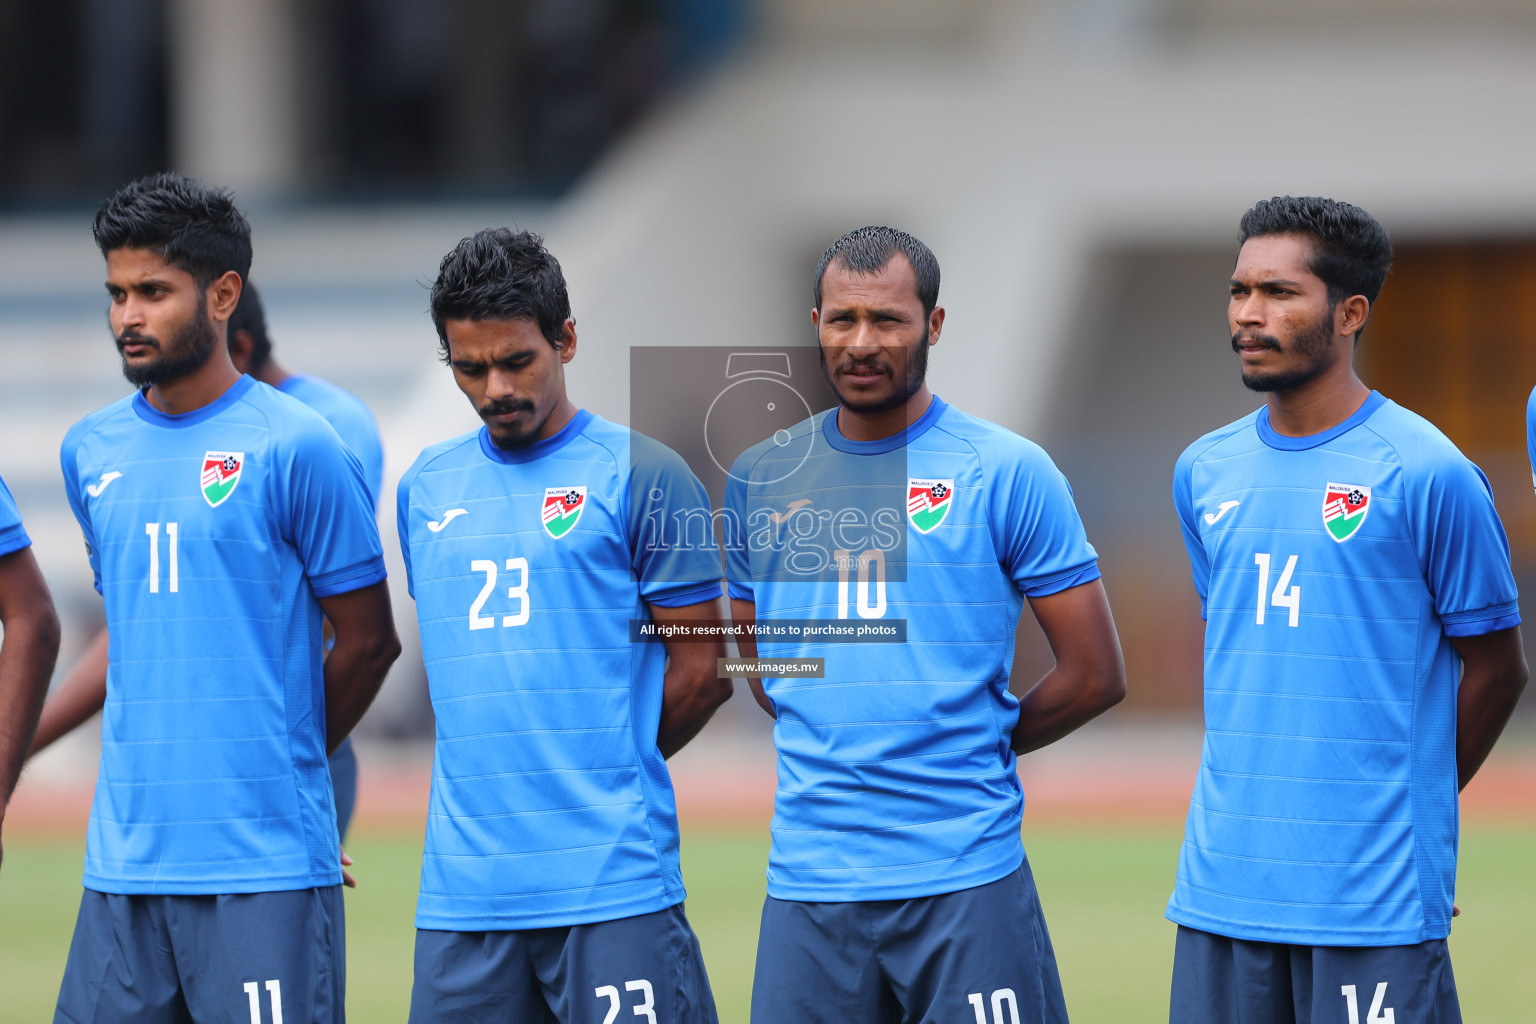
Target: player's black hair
point(251, 318)
point(192, 226)
point(1351, 252)
point(501, 274)
point(865, 250)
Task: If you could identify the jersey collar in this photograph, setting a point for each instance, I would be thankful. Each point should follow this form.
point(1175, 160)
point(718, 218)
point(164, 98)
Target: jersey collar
point(149, 414)
point(548, 446)
point(882, 445)
point(1300, 444)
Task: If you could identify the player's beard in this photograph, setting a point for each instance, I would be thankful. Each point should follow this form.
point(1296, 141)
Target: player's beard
point(189, 349)
point(511, 438)
point(917, 373)
point(1311, 345)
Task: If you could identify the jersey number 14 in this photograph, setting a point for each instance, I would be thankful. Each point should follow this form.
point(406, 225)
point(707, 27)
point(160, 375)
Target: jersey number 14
point(1284, 595)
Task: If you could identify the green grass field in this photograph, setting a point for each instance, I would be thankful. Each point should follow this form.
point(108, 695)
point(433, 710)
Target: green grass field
point(1103, 888)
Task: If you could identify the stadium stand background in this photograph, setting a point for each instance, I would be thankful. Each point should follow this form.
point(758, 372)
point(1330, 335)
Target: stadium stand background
point(1077, 165)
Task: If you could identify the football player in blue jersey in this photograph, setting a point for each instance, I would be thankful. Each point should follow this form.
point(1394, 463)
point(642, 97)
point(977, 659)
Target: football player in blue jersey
point(83, 692)
point(222, 520)
point(28, 647)
point(550, 888)
point(1362, 655)
point(898, 888)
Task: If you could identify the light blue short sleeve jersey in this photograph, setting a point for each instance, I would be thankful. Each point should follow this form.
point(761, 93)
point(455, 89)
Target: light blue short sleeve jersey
point(896, 774)
point(1530, 434)
point(551, 804)
point(1332, 569)
point(13, 536)
point(211, 535)
point(350, 418)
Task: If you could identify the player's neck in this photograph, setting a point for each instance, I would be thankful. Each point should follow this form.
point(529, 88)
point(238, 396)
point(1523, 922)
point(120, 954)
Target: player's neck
point(1317, 405)
point(271, 373)
point(198, 388)
point(565, 410)
point(860, 426)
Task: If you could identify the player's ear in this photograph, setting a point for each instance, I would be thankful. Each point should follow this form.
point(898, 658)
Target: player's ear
point(568, 340)
point(935, 324)
point(1352, 314)
point(815, 318)
point(224, 295)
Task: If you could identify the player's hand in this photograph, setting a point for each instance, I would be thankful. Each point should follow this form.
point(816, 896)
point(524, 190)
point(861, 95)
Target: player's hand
point(1455, 910)
point(346, 876)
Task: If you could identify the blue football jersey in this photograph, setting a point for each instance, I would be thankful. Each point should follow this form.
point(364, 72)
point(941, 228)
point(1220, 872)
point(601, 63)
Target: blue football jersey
point(551, 804)
point(350, 418)
point(211, 535)
point(1332, 569)
point(896, 774)
point(1530, 433)
point(13, 536)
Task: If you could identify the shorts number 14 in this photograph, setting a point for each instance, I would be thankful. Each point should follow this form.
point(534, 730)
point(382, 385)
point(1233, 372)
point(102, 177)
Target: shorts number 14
point(1378, 1014)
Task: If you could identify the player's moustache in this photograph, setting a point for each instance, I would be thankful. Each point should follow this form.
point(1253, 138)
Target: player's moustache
point(504, 406)
point(1241, 338)
point(863, 368)
point(134, 338)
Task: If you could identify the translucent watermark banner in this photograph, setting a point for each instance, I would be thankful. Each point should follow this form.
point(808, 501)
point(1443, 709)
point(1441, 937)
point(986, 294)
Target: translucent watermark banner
point(786, 631)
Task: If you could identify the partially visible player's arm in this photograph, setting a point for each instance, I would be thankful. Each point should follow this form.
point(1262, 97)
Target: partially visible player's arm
point(77, 698)
point(1089, 677)
point(1492, 676)
point(693, 689)
point(743, 615)
point(26, 660)
point(366, 645)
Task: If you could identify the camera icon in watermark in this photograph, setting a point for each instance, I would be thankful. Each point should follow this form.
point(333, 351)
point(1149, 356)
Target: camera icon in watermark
point(788, 493)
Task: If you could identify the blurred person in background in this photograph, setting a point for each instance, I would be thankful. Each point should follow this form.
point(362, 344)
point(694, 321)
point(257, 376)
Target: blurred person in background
point(84, 689)
point(223, 520)
point(28, 646)
point(898, 887)
point(550, 884)
point(1362, 656)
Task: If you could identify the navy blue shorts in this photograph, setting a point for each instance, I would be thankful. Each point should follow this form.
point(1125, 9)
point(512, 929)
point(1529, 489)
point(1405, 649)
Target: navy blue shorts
point(646, 969)
point(1216, 978)
point(344, 784)
point(979, 955)
point(255, 957)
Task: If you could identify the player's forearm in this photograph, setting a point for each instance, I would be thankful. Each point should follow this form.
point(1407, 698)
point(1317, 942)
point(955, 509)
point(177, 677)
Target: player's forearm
point(1493, 677)
point(26, 661)
point(354, 672)
point(77, 698)
point(693, 693)
point(1089, 677)
point(1063, 701)
point(743, 615)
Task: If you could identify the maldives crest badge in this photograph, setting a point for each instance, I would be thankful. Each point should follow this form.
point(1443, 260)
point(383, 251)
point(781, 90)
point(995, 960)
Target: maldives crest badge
point(1345, 507)
point(562, 509)
point(221, 475)
point(928, 503)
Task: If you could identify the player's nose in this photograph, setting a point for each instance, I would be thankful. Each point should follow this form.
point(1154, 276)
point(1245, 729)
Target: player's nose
point(1248, 309)
point(500, 384)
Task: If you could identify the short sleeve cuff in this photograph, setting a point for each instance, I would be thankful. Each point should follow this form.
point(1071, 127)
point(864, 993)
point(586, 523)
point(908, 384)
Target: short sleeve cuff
point(740, 592)
point(680, 595)
point(344, 581)
point(13, 540)
point(1481, 621)
point(1049, 585)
